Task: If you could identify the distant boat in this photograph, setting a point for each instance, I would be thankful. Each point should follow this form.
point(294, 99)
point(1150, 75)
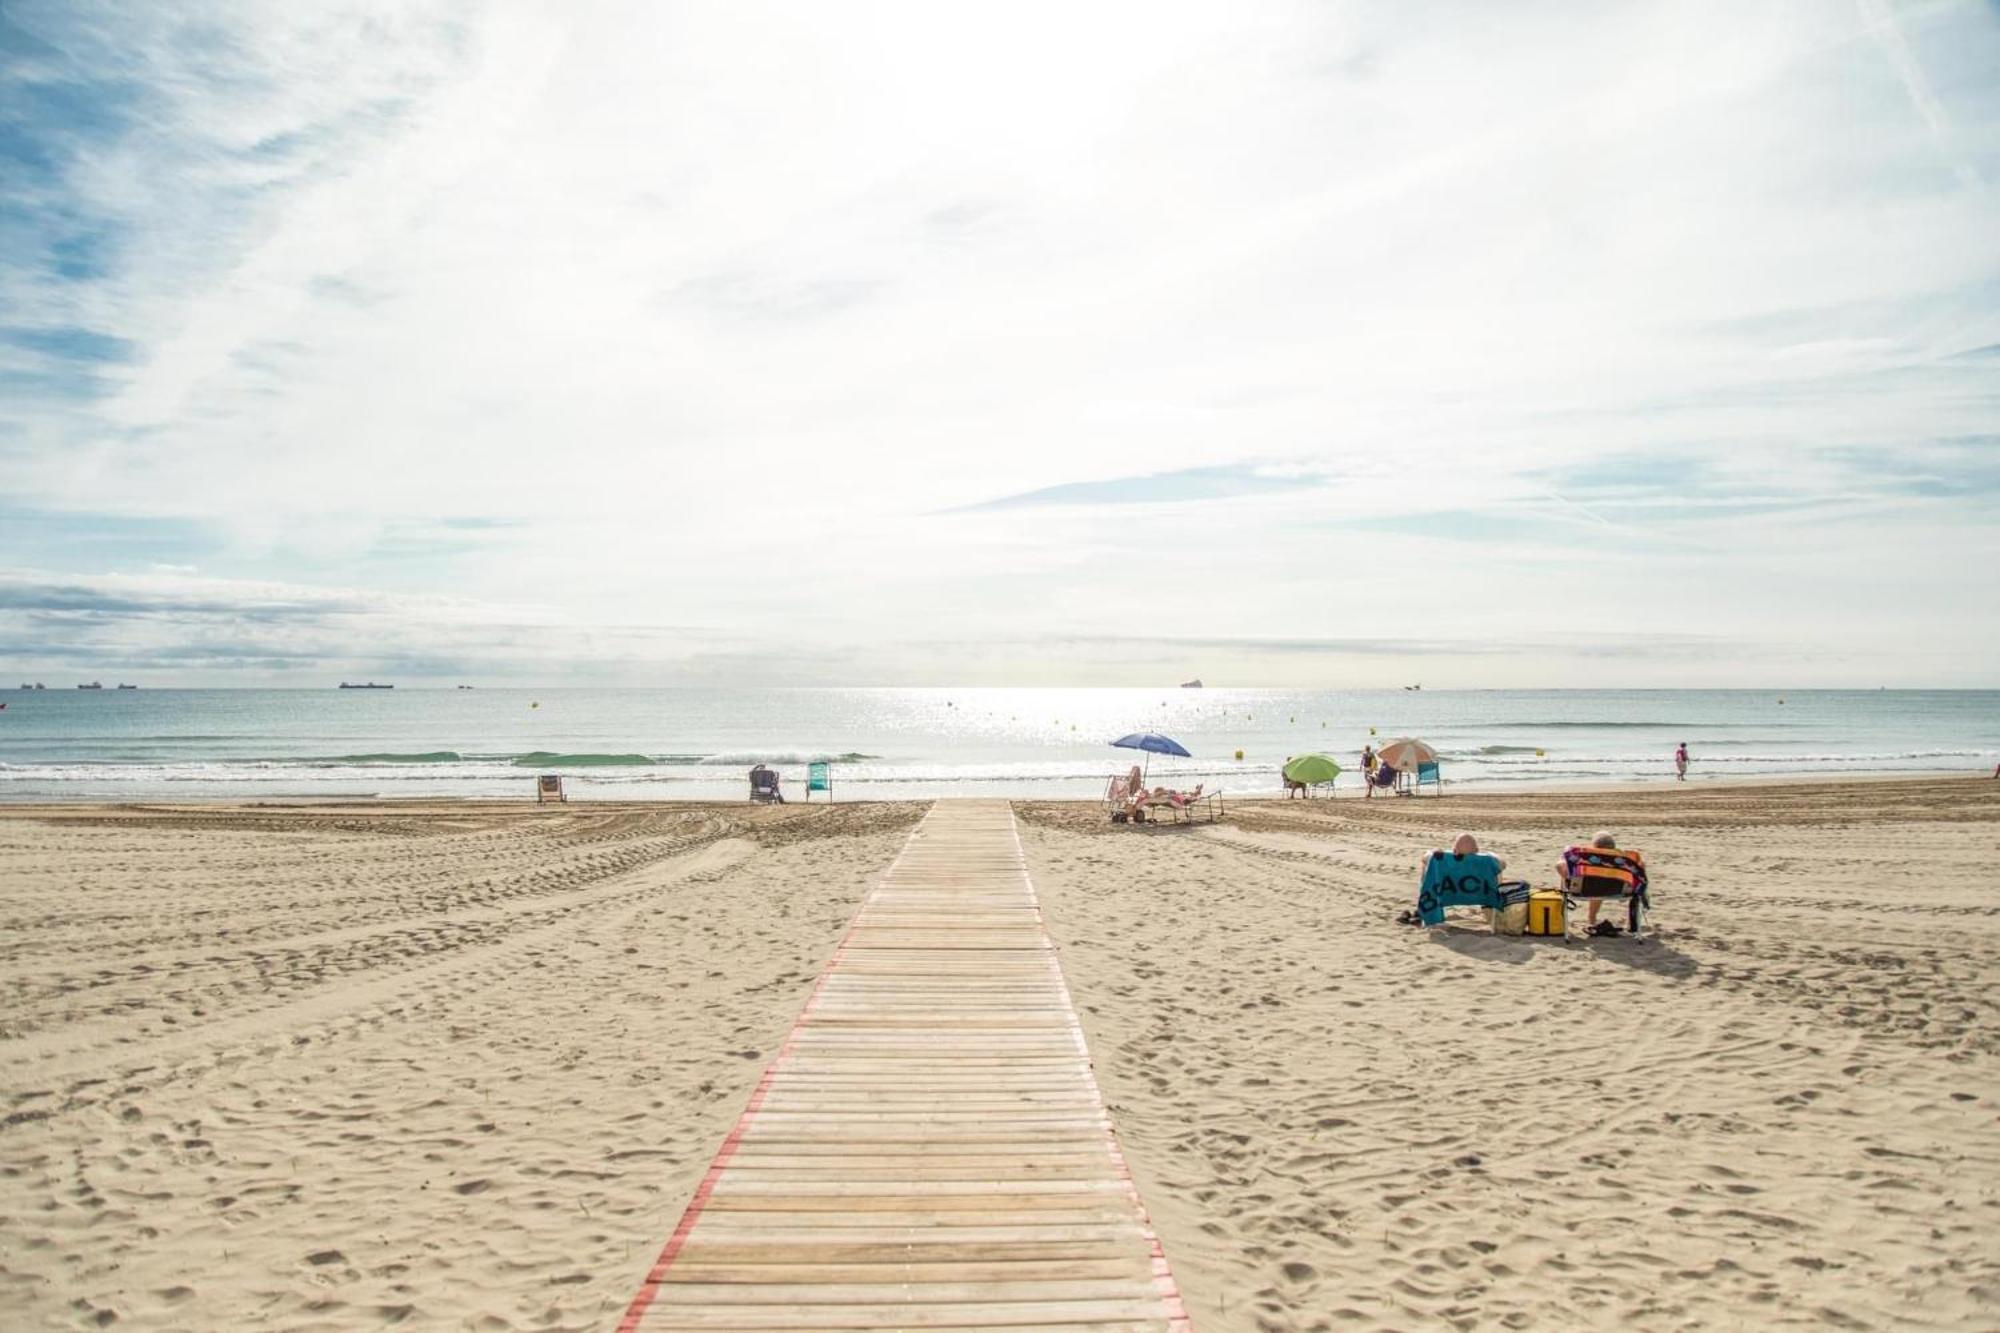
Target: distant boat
point(128, 687)
point(462, 687)
point(371, 685)
point(1194, 684)
point(94, 685)
point(1413, 687)
point(40, 686)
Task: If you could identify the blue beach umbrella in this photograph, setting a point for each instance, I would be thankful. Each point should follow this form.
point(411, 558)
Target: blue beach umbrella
point(1152, 743)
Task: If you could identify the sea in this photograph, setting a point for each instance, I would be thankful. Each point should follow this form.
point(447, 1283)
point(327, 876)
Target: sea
point(155, 744)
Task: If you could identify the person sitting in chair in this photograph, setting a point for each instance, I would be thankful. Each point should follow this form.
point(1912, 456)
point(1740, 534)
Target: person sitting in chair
point(1135, 796)
point(1465, 845)
point(764, 782)
point(1604, 842)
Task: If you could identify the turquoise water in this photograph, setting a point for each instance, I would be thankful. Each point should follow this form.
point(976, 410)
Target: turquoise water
point(188, 744)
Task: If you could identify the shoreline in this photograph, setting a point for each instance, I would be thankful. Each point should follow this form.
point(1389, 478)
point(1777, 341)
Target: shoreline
point(1511, 792)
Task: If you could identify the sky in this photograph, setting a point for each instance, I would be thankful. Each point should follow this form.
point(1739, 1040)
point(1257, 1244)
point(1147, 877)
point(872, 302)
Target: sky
point(1331, 344)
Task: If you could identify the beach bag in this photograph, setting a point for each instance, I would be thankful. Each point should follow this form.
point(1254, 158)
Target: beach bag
point(1511, 917)
point(1545, 913)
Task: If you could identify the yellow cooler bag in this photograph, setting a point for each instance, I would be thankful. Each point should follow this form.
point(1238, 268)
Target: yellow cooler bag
point(1545, 912)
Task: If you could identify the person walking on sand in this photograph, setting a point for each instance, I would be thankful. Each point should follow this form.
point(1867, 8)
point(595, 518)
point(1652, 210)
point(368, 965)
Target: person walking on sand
point(1681, 762)
point(1368, 770)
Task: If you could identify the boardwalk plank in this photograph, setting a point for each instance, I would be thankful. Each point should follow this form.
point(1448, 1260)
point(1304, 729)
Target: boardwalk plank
point(929, 1149)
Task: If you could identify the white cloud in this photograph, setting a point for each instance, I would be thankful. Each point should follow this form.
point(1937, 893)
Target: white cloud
point(725, 305)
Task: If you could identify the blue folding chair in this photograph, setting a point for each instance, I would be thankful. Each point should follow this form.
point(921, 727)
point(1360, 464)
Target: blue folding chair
point(819, 777)
point(1429, 773)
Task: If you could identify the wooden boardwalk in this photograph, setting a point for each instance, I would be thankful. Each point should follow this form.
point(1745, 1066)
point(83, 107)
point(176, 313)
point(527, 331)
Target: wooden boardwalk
point(929, 1149)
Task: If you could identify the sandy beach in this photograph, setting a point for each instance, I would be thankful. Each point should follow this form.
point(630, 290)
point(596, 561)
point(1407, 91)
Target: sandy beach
point(444, 1066)
point(459, 1066)
point(1781, 1110)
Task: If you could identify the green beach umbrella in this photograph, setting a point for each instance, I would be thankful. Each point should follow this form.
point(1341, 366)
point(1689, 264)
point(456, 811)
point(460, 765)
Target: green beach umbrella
point(1311, 769)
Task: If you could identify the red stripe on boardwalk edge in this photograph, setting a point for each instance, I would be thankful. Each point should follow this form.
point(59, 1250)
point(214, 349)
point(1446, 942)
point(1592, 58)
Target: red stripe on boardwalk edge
point(671, 1250)
point(1178, 1319)
point(1164, 1284)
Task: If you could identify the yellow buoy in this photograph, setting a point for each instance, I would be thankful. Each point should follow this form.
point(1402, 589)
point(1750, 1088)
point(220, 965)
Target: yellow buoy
point(1239, 754)
point(1541, 754)
point(535, 705)
point(1371, 731)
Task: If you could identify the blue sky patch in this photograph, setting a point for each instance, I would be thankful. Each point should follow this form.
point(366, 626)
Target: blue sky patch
point(69, 344)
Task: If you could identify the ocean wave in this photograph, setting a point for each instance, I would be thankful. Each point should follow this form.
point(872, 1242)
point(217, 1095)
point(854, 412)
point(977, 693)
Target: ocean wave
point(1652, 761)
point(735, 757)
point(1641, 726)
point(425, 757)
point(549, 759)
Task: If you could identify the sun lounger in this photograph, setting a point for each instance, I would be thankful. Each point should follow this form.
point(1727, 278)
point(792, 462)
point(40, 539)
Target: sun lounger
point(1182, 804)
point(1606, 872)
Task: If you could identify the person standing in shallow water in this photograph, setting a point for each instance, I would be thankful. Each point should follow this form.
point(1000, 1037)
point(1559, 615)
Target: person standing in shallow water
point(1681, 762)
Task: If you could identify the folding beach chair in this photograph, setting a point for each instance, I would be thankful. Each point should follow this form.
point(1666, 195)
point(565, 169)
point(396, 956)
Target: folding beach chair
point(1608, 872)
point(1118, 799)
point(819, 777)
point(1428, 773)
point(1455, 880)
point(1125, 797)
point(548, 787)
point(764, 785)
